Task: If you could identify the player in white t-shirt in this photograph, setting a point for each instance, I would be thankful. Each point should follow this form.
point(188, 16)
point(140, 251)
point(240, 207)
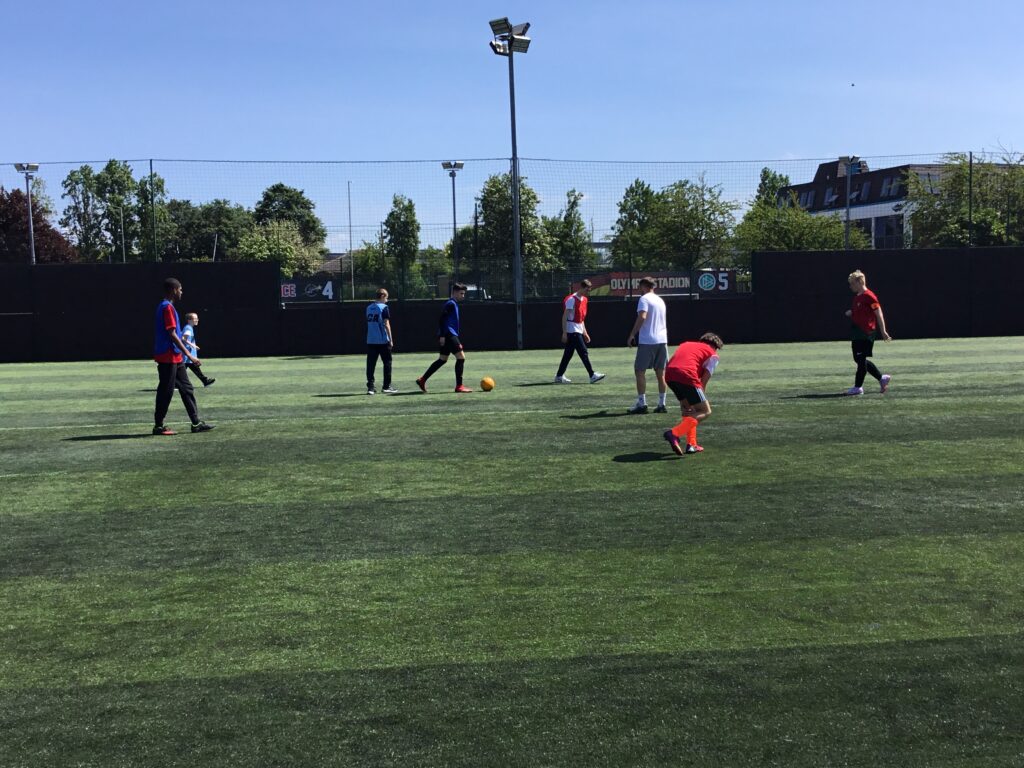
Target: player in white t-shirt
point(650, 333)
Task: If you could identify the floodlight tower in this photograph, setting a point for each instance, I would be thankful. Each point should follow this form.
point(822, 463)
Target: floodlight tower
point(510, 39)
point(29, 169)
point(453, 168)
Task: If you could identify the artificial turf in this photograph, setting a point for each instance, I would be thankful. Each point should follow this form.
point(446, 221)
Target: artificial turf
point(522, 577)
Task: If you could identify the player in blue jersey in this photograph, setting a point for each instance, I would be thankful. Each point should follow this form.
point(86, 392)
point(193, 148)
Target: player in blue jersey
point(188, 335)
point(379, 342)
point(448, 341)
point(169, 351)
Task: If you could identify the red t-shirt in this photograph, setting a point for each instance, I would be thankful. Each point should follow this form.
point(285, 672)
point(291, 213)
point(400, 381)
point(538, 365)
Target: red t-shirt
point(863, 312)
point(690, 359)
point(167, 321)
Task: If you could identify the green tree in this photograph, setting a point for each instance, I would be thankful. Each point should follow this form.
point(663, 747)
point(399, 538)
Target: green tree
point(694, 224)
point(771, 185)
point(634, 242)
point(280, 241)
point(768, 226)
point(283, 203)
point(84, 214)
point(940, 206)
point(436, 263)
point(570, 241)
point(154, 219)
point(402, 240)
point(197, 229)
point(496, 249)
point(116, 187)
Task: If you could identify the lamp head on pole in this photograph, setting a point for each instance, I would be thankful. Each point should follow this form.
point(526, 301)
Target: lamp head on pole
point(509, 39)
point(26, 167)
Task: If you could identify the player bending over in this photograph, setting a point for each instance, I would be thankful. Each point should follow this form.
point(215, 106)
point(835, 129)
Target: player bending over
point(687, 375)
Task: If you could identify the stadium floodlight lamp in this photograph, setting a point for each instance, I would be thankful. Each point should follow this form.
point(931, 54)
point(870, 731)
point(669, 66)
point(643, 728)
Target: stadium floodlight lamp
point(500, 48)
point(501, 26)
point(456, 165)
point(29, 169)
point(520, 44)
point(520, 29)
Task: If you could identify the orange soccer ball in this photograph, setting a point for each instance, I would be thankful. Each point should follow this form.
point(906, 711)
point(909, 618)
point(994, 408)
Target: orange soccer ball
point(486, 383)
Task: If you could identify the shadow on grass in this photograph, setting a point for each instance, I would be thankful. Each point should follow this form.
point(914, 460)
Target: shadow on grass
point(147, 390)
point(94, 438)
point(642, 456)
point(343, 394)
point(309, 357)
point(815, 396)
point(603, 414)
point(537, 384)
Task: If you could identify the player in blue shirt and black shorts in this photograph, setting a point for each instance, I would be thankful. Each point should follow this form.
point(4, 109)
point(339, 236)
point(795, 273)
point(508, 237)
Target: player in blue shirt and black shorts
point(379, 342)
point(448, 340)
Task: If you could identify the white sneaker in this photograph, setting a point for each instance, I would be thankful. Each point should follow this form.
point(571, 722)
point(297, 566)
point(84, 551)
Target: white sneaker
point(596, 377)
point(884, 383)
point(371, 392)
point(855, 391)
point(389, 391)
point(563, 380)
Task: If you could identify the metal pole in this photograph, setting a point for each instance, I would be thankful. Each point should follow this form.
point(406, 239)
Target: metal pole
point(970, 199)
point(152, 208)
point(31, 226)
point(216, 235)
point(846, 229)
point(121, 215)
point(455, 232)
point(476, 242)
point(351, 258)
point(517, 254)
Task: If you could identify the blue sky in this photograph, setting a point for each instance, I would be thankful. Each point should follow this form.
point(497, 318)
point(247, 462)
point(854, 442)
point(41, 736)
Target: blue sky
point(639, 80)
point(646, 80)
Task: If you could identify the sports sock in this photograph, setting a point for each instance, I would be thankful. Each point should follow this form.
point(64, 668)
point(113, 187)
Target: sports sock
point(433, 368)
point(691, 436)
point(661, 398)
point(682, 429)
point(459, 366)
point(641, 399)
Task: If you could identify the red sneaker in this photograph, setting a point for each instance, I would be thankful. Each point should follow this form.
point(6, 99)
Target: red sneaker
point(673, 441)
point(462, 388)
point(162, 430)
point(694, 448)
point(421, 384)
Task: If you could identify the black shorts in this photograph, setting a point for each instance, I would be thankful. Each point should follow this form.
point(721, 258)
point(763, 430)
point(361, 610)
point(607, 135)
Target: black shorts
point(863, 347)
point(687, 394)
point(451, 345)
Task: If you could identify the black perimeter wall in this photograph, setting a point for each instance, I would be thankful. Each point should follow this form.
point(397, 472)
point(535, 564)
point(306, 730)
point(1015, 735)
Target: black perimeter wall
point(105, 312)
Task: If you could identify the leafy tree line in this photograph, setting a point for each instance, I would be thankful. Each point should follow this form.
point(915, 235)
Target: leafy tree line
point(110, 215)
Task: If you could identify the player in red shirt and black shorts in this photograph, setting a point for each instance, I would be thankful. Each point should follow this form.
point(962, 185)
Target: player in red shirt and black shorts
point(868, 324)
point(687, 375)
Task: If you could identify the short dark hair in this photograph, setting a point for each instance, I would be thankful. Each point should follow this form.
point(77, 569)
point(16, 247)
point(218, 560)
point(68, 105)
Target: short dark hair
point(585, 284)
point(171, 284)
point(713, 340)
point(648, 281)
point(458, 287)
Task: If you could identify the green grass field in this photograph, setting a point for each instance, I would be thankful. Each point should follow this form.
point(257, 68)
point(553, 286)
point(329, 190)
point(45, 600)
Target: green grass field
point(524, 577)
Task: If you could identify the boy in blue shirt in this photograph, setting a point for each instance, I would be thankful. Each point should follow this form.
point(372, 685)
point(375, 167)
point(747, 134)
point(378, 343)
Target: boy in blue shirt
point(448, 340)
point(188, 335)
point(379, 342)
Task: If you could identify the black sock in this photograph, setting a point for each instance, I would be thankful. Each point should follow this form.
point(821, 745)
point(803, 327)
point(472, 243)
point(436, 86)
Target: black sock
point(459, 366)
point(433, 368)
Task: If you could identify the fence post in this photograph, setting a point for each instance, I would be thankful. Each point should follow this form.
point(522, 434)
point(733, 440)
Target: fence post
point(970, 199)
point(152, 209)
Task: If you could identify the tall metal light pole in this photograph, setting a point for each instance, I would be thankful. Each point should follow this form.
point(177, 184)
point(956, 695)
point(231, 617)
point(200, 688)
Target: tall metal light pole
point(508, 40)
point(850, 161)
point(29, 169)
point(453, 168)
point(351, 257)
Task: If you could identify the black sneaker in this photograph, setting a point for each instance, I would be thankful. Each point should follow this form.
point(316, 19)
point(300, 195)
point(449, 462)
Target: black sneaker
point(202, 426)
point(661, 409)
point(209, 382)
point(162, 430)
point(637, 409)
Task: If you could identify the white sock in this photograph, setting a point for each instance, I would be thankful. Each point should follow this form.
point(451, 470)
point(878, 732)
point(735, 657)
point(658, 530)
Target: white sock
point(641, 400)
point(661, 398)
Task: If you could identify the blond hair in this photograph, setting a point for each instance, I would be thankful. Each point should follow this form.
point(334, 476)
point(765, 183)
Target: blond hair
point(857, 276)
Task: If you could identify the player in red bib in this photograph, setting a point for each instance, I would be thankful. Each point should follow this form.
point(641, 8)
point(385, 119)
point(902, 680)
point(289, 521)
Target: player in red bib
point(868, 323)
point(687, 375)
